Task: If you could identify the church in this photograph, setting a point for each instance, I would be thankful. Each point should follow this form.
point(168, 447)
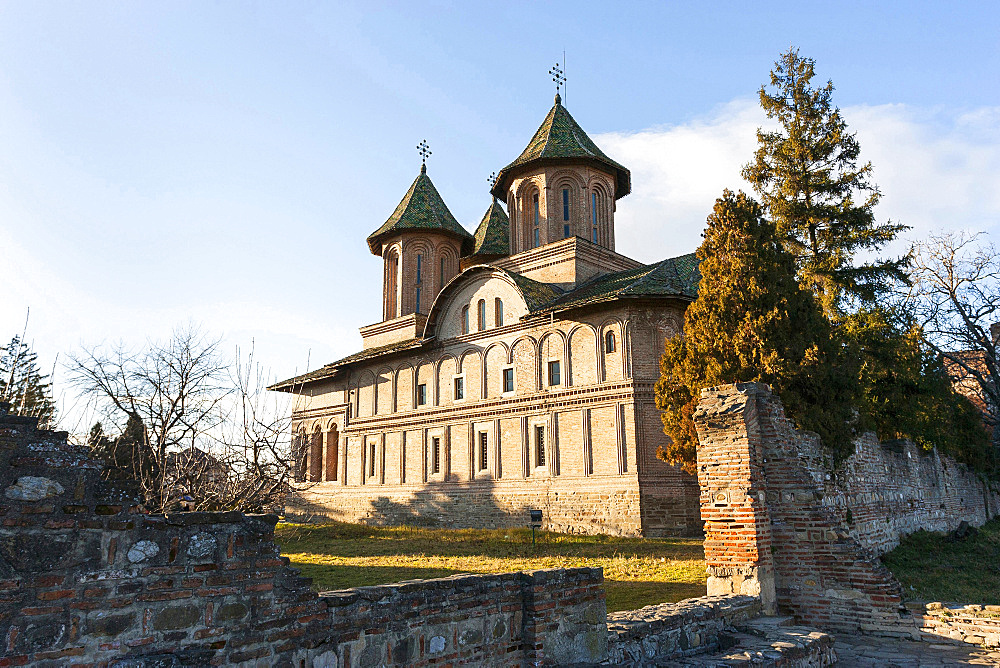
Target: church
point(513, 368)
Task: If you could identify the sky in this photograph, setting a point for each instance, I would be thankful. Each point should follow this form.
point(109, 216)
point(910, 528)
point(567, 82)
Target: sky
point(222, 163)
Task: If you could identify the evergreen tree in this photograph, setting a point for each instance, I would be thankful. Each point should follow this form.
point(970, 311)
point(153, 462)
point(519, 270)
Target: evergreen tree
point(23, 385)
point(752, 321)
point(808, 178)
point(129, 457)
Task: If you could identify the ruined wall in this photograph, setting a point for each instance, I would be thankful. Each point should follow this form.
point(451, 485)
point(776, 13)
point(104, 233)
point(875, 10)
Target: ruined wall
point(87, 579)
point(777, 518)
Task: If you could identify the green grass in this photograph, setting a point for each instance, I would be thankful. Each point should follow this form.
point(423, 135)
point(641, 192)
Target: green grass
point(637, 571)
point(933, 569)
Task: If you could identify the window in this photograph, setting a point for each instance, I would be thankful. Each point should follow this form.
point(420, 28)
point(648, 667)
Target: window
point(483, 452)
point(554, 375)
point(417, 306)
point(435, 455)
point(537, 237)
point(609, 342)
point(481, 308)
point(539, 445)
point(508, 380)
point(420, 262)
point(498, 312)
point(593, 216)
point(441, 280)
point(371, 459)
point(422, 394)
point(465, 320)
point(459, 388)
point(566, 204)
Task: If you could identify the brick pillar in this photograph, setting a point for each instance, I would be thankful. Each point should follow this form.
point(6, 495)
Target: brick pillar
point(731, 477)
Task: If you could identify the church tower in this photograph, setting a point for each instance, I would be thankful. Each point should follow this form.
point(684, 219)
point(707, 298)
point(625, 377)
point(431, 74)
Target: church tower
point(563, 187)
point(420, 246)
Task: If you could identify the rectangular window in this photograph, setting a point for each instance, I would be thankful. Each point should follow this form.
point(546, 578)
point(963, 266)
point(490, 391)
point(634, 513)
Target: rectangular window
point(539, 445)
point(498, 312)
point(593, 216)
point(554, 373)
point(417, 305)
point(508, 380)
point(565, 231)
point(441, 281)
point(536, 238)
point(482, 314)
point(535, 200)
point(566, 206)
point(420, 261)
point(459, 388)
point(435, 455)
point(465, 320)
point(422, 394)
point(371, 459)
point(483, 452)
point(594, 235)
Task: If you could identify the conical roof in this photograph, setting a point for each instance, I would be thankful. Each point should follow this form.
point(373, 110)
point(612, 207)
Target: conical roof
point(561, 139)
point(493, 234)
point(421, 209)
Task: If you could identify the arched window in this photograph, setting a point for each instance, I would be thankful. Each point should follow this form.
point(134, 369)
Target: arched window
point(498, 312)
point(593, 216)
point(481, 315)
point(465, 320)
point(391, 285)
point(441, 277)
point(316, 455)
point(609, 342)
point(565, 203)
point(536, 235)
point(419, 281)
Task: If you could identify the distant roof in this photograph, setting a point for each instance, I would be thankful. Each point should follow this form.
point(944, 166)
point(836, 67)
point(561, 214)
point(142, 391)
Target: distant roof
point(675, 277)
point(420, 209)
point(560, 138)
point(493, 234)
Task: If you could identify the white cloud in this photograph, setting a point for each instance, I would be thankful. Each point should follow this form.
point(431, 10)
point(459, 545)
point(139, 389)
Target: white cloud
point(936, 169)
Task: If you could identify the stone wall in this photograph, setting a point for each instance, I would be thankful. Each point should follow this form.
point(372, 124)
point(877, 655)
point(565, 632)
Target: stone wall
point(778, 519)
point(975, 624)
point(87, 579)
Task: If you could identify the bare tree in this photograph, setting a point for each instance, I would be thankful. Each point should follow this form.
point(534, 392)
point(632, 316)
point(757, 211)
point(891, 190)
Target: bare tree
point(956, 297)
point(176, 389)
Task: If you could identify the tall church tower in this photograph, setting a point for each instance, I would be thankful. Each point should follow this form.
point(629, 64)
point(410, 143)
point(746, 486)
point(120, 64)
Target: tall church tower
point(420, 246)
point(563, 187)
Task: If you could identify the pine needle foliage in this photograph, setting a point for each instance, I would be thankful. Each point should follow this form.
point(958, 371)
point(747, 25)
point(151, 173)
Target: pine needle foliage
point(809, 180)
point(752, 321)
point(23, 385)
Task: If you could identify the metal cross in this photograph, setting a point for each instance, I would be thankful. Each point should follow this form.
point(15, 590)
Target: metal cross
point(492, 179)
point(558, 77)
point(424, 150)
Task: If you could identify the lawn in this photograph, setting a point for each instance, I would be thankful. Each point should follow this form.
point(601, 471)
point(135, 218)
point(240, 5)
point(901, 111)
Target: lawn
point(933, 569)
point(637, 571)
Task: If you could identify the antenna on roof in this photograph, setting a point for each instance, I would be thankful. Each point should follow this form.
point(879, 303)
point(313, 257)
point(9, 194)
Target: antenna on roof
point(424, 150)
point(559, 78)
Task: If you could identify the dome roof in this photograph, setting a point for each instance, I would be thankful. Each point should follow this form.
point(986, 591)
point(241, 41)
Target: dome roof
point(493, 234)
point(561, 139)
point(421, 209)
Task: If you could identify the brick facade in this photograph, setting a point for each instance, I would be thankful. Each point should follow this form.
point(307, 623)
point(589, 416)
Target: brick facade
point(778, 519)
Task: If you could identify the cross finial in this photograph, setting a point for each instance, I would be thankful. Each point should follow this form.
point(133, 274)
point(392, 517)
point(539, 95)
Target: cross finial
point(492, 179)
point(424, 150)
point(558, 77)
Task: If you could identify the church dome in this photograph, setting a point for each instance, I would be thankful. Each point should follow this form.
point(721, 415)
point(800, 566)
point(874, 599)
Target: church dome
point(421, 210)
point(560, 139)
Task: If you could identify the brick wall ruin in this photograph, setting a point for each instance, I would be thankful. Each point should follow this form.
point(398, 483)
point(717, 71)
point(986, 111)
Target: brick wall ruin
point(782, 525)
point(86, 579)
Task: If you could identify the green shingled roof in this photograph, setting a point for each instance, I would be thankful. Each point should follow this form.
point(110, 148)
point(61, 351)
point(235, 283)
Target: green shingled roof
point(673, 277)
point(421, 209)
point(558, 139)
point(493, 234)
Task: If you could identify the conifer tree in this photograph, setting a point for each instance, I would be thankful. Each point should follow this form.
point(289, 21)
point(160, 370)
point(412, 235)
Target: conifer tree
point(822, 201)
point(752, 321)
point(23, 385)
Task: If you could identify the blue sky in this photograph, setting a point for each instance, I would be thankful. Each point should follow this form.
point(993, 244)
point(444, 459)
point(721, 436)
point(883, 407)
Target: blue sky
point(223, 162)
